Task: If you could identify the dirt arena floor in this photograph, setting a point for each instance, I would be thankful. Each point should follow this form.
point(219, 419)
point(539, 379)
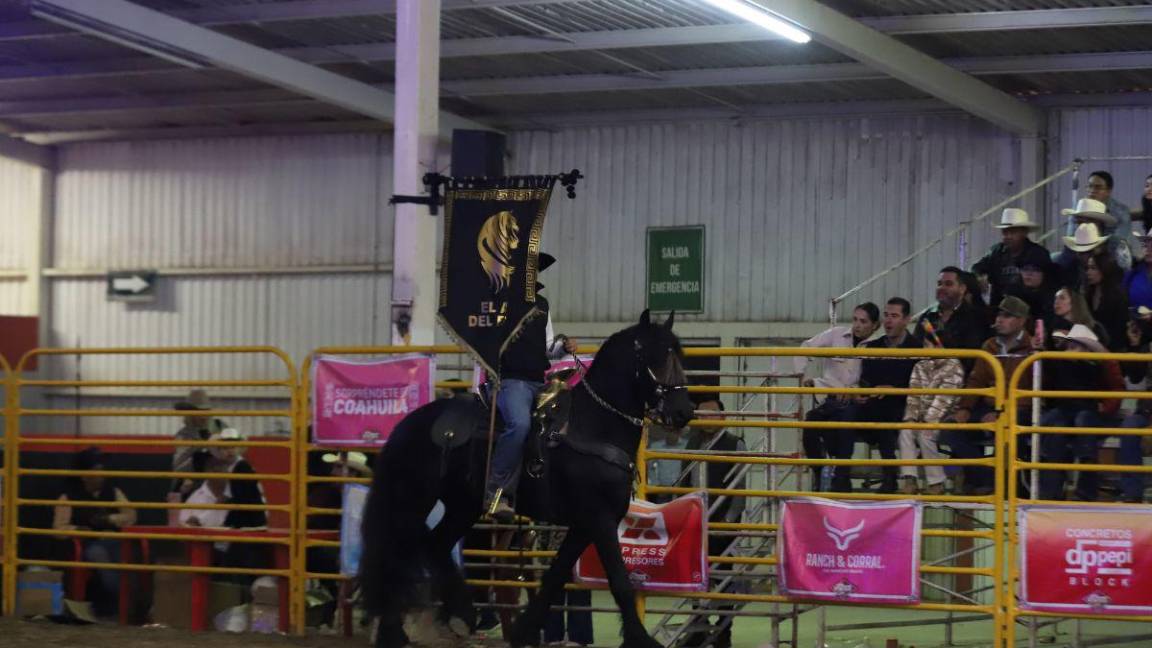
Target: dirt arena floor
point(45, 634)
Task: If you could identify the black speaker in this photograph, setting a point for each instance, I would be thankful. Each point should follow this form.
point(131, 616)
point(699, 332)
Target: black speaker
point(477, 153)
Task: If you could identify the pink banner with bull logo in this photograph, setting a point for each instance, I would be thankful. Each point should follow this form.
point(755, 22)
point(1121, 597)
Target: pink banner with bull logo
point(359, 402)
point(850, 551)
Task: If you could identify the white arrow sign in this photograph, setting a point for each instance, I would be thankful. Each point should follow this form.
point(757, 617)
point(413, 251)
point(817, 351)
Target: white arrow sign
point(133, 284)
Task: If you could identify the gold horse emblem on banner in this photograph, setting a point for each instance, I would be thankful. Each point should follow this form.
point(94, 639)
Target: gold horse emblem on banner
point(499, 236)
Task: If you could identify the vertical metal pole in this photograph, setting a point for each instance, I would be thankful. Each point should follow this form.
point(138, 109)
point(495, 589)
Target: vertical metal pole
point(1034, 475)
point(963, 248)
point(299, 516)
point(11, 488)
point(414, 296)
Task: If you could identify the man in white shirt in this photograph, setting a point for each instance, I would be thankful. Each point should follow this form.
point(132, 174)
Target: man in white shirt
point(836, 373)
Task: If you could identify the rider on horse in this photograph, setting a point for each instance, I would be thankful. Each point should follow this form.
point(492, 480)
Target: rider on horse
point(522, 368)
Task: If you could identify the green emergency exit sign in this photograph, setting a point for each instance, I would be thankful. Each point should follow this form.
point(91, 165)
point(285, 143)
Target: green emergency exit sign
point(676, 269)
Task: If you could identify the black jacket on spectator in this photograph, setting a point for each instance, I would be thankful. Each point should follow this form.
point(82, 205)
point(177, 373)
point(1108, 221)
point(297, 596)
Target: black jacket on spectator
point(717, 471)
point(875, 372)
point(1039, 301)
point(967, 326)
point(1112, 315)
point(245, 491)
point(1003, 268)
point(526, 357)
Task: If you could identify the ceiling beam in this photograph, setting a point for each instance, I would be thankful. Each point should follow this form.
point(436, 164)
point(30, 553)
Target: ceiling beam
point(134, 26)
point(1083, 17)
point(247, 130)
point(27, 152)
point(578, 41)
point(785, 74)
point(888, 55)
point(269, 13)
point(746, 76)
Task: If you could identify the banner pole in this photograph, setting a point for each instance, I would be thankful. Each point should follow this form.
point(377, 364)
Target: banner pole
point(491, 441)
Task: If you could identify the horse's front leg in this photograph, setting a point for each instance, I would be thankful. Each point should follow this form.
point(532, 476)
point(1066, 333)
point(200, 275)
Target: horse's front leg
point(608, 547)
point(526, 630)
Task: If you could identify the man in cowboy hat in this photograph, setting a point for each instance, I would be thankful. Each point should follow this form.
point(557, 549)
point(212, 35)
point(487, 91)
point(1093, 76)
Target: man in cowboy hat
point(1003, 263)
point(197, 427)
point(1090, 212)
point(1076, 375)
point(1087, 241)
point(522, 368)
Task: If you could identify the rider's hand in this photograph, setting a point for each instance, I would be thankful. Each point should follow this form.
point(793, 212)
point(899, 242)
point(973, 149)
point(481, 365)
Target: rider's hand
point(569, 345)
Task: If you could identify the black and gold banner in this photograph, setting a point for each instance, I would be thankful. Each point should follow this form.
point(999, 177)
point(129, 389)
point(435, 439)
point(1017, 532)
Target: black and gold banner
point(491, 255)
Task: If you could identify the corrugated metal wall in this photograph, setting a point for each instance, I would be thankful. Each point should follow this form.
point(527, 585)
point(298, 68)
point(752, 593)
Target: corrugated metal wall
point(1101, 132)
point(797, 210)
point(249, 202)
point(19, 202)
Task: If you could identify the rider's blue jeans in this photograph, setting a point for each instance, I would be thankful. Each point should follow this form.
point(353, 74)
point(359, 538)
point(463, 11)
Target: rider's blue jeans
point(514, 401)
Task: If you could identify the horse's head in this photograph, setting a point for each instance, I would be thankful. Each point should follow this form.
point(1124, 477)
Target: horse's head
point(659, 372)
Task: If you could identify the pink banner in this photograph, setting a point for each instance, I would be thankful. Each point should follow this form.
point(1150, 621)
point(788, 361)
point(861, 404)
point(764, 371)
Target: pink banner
point(359, 402)
point(850, 551)
point(1082, 559)
point(664, 546)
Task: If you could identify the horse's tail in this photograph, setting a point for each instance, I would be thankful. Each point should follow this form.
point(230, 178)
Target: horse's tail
point(392, 527)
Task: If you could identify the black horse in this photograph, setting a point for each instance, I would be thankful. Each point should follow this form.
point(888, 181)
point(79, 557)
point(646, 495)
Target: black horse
point(637, 372)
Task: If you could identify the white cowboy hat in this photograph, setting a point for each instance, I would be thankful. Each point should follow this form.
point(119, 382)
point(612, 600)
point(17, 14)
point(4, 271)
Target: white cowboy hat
point(357, 461)
point(230, 434)
point(1013, 217)
point(1092, 209)
point(1087, 238)
point(1083, 335)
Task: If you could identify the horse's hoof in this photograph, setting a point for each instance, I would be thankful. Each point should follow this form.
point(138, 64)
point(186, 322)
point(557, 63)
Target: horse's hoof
point(520, 637)
point(459, 627)
point(391, 637)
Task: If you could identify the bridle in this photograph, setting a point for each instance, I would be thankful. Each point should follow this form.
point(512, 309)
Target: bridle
point(660, 390)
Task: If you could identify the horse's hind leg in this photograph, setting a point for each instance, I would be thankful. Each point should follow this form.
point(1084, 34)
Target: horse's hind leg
point(526, 630)
point(390, 631)
point(608, 547)
point(458, 612)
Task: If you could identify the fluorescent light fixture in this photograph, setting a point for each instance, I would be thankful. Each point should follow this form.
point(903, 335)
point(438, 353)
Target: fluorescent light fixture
point(114, 34)
point(758, 15)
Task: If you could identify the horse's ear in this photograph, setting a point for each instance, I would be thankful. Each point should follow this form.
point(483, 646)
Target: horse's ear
point(668, 322)
point(645, 318)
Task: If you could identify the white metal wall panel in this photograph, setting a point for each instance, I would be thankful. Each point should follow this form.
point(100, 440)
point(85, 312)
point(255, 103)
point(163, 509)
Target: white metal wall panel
point(246, 202)
point(19, 202)
point(1101, 132)
point(796, 210)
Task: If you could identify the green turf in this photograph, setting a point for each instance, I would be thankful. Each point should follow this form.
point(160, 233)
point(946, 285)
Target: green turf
point(755, 632)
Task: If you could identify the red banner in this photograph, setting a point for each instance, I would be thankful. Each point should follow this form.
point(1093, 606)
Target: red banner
point(665, 546)
point(850, 551)
point(1086, 559)
point(359, 402)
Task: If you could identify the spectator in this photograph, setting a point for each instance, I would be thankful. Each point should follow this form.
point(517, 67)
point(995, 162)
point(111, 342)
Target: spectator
point(837, 372)
point(1100, 185)
point(1131, 452)
point(1138, 280)
point(1069, 375)
point(211, 491)
point(1068, 309)
point(248, 492)
point(1086, 240)
point(94, 488)
point(664, 472)
point(1003, 264)
point(1036, 290)
point(730, 509)
point(881, 372)
point(1010, 345)
point(197, 427)
point(1107, 299)
point(964, 322)
point(1145, 209)
point(929, 373)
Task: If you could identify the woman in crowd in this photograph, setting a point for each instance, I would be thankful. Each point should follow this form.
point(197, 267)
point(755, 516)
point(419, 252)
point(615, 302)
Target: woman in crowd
point(1068, 309)
point(94, 488)
point(1107, 299)
point(1138, 281)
